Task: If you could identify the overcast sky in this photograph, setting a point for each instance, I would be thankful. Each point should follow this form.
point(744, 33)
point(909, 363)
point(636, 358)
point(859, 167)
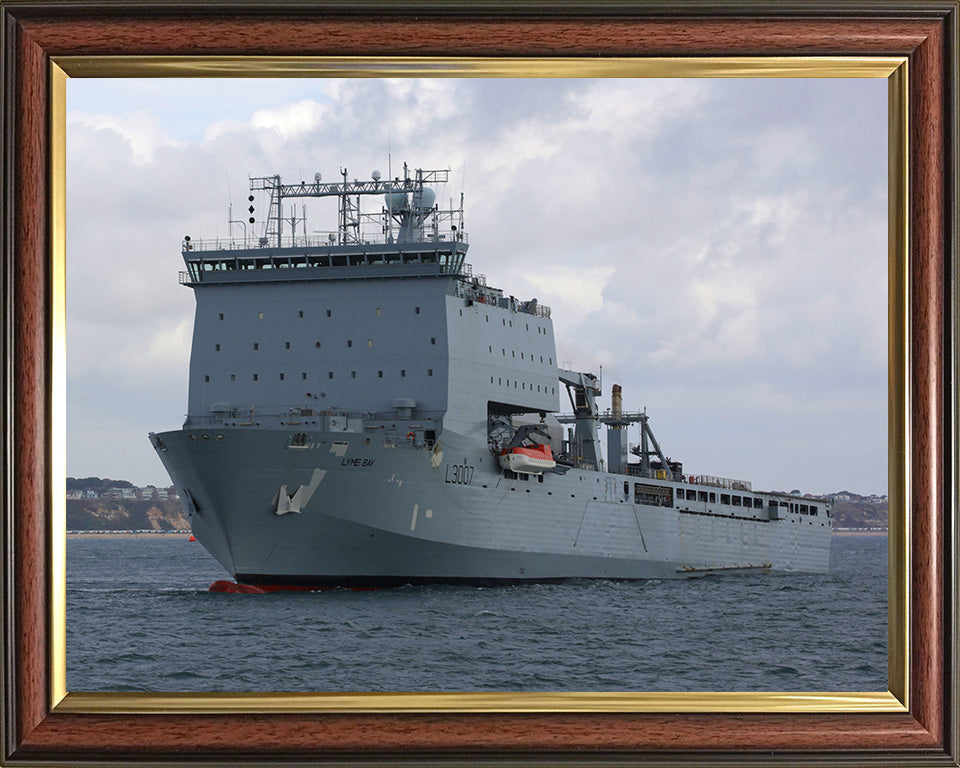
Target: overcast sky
point(718, 246)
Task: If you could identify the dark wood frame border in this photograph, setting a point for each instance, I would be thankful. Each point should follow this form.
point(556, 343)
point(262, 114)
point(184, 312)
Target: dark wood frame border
point(925, 32)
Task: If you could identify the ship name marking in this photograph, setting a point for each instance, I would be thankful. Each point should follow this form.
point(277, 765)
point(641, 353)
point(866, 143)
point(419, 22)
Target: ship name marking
point(357, 462)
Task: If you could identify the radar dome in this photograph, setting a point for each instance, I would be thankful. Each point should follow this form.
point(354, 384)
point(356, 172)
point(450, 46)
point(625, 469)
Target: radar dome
point(375, 175)
point(427, 198)
point(395, 201)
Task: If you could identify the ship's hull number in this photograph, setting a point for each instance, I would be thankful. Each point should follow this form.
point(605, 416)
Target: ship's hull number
point(458, 474)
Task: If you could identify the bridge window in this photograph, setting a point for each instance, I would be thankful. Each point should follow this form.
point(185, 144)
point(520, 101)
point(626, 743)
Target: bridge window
point(429, 371)
point(287, 344)
point(701, 495)
point(221, 315)
point(433, 340)
point(813, 509)
point(256, 377)
point(349, 342)
point(736, 501)
point(206, 378)
point(416, 310)
point(402, 373)
point(329, 312)
point(299, 314)
point(218, 347)
point(758, 503)
point(329, 374)
point(378, 311)
point(233, 377)
point(256, 345)
point(303, 375)
point(724, 498)
point(281, 377)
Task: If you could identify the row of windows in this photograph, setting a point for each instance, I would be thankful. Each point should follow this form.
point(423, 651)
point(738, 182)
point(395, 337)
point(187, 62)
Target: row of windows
point(513, 354)
point(303, 375)
point(522, 385)
point(329, 313)
point(505, 322)
point(743, 501)
point(317, 345)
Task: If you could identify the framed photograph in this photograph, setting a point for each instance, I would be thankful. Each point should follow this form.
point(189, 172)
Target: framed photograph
point(46, 45)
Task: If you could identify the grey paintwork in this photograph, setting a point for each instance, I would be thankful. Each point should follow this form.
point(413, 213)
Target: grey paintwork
point(337, 432)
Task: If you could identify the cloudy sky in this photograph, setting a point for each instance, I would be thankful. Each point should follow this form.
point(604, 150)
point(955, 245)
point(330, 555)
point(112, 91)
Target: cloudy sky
point(718, 246)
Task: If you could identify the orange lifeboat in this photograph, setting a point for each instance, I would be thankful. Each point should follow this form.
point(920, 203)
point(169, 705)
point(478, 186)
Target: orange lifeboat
point(529, 460)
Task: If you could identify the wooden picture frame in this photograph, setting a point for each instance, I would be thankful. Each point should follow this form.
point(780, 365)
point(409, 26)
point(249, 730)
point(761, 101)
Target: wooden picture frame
point(40, 726)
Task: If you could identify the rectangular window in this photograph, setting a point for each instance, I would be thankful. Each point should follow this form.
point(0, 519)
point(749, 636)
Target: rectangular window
point(300, 313)
point(724, 498)
point(221, 315)
point(260, 315)
point(701, 496)
point(803, 509)
point(233, 377)
point(429, 371)
point(329, 313)
point(329, 374)
point(379, 374)
point(433, 340)
point(353, 374)
point(655, 495)
point(713, 498)
point(206, 378)
point(758, 503)
point(378, 311)
point(287, 344)
point(218, 347)
point(402, 373)
point(349, 342)
point(369, 342)
point(256, 346)
point(416, 310)
point(736, 501)
point(255, 377)
point(281, 377)
point(813, 509)
point(303, 375)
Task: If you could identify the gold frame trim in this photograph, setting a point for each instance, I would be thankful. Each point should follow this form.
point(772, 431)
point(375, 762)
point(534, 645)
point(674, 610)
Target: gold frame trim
point(893, 701)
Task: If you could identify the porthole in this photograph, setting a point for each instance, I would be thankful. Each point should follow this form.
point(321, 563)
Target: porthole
point(220, 437)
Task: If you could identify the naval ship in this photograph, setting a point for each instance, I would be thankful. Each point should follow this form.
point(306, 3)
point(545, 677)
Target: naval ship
point(364, 410)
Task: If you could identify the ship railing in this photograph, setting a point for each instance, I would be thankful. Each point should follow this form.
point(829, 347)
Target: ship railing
point(720, 482)
point(409, 442)
point(319, 240)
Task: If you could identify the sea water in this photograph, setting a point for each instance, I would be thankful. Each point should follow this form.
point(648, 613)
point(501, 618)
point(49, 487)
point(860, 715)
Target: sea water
point(140, 618)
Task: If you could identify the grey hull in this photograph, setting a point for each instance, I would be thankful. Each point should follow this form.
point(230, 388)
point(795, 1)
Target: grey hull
point(351, 510)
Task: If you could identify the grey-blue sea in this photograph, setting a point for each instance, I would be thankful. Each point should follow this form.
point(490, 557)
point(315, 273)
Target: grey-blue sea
point(140, 618)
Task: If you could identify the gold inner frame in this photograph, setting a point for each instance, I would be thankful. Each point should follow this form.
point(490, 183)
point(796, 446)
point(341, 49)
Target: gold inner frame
point(894, 69)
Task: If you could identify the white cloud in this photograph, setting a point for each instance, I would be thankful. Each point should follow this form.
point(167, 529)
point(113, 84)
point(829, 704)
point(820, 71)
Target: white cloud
point(139, 129)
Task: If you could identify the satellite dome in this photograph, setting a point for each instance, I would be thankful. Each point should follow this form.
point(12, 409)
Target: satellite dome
point(395, 201)
point(427, 198)
point(376, 175)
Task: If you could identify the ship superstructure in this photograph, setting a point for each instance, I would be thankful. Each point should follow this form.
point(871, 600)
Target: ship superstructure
point(364, 410)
